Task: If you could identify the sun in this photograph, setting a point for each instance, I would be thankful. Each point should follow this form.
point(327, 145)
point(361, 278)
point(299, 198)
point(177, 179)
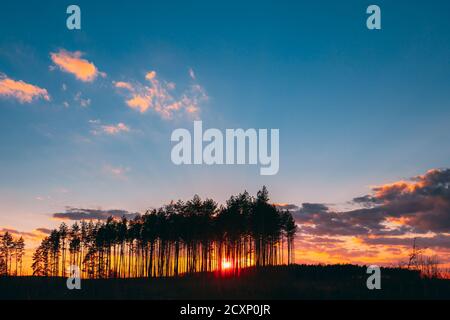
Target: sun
point(226, 264)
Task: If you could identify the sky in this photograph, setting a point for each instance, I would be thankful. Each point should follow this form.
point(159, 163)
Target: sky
point(86, 115)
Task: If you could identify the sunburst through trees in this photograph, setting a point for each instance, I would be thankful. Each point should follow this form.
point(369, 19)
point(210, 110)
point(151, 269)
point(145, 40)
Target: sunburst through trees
point(178, 238)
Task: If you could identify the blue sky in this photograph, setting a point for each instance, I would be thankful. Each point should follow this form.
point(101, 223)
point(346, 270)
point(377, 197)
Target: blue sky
point(354, 107)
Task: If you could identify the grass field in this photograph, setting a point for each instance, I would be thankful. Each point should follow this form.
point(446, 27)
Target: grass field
point(280, 282)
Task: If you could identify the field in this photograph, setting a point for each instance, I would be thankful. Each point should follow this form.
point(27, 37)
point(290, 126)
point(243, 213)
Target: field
point(281, 282)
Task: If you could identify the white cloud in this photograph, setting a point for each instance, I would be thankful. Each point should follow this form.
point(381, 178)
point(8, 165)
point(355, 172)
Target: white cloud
point(84, 102)
point(192, 73)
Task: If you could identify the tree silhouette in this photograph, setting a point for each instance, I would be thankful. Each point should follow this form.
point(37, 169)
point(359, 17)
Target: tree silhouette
point(19, 252)
point(11, 254)
point(178, 238)
point(289, 229)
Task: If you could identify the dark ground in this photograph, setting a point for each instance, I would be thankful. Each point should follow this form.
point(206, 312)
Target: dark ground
point(282, 282)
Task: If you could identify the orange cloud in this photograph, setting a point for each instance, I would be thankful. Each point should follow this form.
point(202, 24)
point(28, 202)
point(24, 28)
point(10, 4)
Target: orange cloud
point(399, 187)
point(397, 221)
point(150, 75)
point(406, 187)
point(123, 85)
point(142, 103)
point(159, 96)
point(22, 91)
point(72, 62)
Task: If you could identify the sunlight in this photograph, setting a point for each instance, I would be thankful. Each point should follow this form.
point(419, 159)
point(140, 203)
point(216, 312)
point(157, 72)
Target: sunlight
point(226, 264)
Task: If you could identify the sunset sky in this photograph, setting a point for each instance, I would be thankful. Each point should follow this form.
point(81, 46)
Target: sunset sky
point(364, 116)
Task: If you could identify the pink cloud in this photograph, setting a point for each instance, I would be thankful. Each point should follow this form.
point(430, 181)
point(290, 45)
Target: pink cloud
point(109, 129)
point(115, 129)
point(123, 85)
point(116, 172)
point(84, 102)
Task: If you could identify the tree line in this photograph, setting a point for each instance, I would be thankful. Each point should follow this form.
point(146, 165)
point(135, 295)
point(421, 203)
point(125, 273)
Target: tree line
point(178, 238)
point(11, 255)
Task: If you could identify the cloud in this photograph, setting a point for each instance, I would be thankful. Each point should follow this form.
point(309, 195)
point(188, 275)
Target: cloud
point(139, 102)
point(123, 84)
point(44, 230)
point(116, 172)
point(436, 242)
point(308, 208)
point(109, 129)
point(84, 102)
point(92, 214)
point(42, 198)
point(34, 235)
point(115, 129)
point(318, 220)
point(15, 232)
point(72, 62)
point(420, 205)
point(423, 202)
point(20, 90)
point(159, 96)
point(150, 75)
point(191, 74)
point(286, 206)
